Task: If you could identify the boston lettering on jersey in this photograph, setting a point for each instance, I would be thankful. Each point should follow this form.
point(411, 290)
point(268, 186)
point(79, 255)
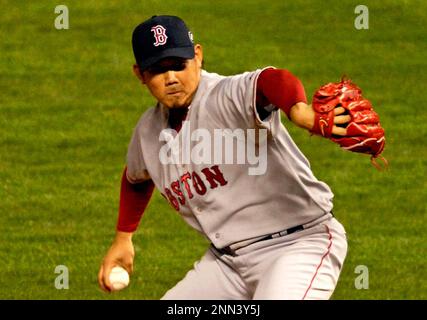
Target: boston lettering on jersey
point(192, 182)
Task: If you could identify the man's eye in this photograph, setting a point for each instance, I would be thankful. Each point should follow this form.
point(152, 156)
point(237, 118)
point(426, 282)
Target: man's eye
point(177, 66)
point(156, 70)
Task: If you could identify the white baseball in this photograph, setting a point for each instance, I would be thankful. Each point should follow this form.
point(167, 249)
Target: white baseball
point(119, 278)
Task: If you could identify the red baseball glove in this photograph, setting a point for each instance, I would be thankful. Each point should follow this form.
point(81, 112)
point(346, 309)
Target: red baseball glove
point(364, 132)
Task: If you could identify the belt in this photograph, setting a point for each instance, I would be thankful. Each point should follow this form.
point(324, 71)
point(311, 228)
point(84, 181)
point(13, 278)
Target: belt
point(231, 249)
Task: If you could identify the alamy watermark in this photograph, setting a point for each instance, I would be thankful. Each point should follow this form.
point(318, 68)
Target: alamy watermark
point(362, 20)
point(61, 21)
point(62, 281)
point(362, 280)
point(223, 146)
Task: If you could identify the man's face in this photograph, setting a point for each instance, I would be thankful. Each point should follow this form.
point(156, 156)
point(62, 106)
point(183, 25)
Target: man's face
point(174, 81)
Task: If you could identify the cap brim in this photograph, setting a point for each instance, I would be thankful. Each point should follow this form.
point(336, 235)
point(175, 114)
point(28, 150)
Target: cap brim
point(183, 52)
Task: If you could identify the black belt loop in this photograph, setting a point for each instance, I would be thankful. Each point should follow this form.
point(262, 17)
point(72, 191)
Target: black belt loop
point(228, 251)
point(295, 229)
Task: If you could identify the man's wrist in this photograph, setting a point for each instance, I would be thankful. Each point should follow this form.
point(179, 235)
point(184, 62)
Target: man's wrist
point(302, 115)
point(122, 235)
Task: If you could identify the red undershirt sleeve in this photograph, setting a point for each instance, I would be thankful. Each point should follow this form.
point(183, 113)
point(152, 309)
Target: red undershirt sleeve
point(280, 88)
point(133, 201)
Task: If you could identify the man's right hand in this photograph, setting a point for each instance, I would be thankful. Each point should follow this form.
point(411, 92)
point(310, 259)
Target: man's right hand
point(121, 253)
point(303, 116)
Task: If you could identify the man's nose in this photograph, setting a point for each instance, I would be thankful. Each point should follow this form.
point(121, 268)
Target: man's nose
point(170, 77)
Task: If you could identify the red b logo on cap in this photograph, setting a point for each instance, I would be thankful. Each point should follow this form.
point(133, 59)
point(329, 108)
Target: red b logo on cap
point(160, 35)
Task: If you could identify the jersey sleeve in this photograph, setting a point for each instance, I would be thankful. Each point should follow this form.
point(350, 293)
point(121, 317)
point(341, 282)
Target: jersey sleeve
point(136, 168)
point(278, 88)
point(134, 199)
point(237, 100)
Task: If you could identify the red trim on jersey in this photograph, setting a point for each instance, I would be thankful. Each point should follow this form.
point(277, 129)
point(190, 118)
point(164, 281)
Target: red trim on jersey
point(321, 262)
point(133, 201)
point(280, 88)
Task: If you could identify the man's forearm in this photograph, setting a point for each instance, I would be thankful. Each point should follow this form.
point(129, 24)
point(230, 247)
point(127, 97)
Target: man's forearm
point(302, 115)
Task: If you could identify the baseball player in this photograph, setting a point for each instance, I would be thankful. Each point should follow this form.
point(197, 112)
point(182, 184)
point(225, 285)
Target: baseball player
point(272, 231)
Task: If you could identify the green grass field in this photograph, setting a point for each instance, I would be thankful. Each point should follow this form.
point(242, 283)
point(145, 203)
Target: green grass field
point(69, 102)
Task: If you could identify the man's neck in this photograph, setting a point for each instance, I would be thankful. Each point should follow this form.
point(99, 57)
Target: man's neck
point(176, 117)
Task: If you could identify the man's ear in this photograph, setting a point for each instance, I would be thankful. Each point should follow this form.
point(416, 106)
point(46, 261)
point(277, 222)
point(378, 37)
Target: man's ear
point(198, 52)
point(138, 74)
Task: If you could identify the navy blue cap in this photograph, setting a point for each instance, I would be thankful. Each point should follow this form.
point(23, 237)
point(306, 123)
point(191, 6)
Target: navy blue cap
point(161, 37)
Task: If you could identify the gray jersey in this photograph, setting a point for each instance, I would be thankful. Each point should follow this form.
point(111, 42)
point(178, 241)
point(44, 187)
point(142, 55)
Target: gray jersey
point(223, 200)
